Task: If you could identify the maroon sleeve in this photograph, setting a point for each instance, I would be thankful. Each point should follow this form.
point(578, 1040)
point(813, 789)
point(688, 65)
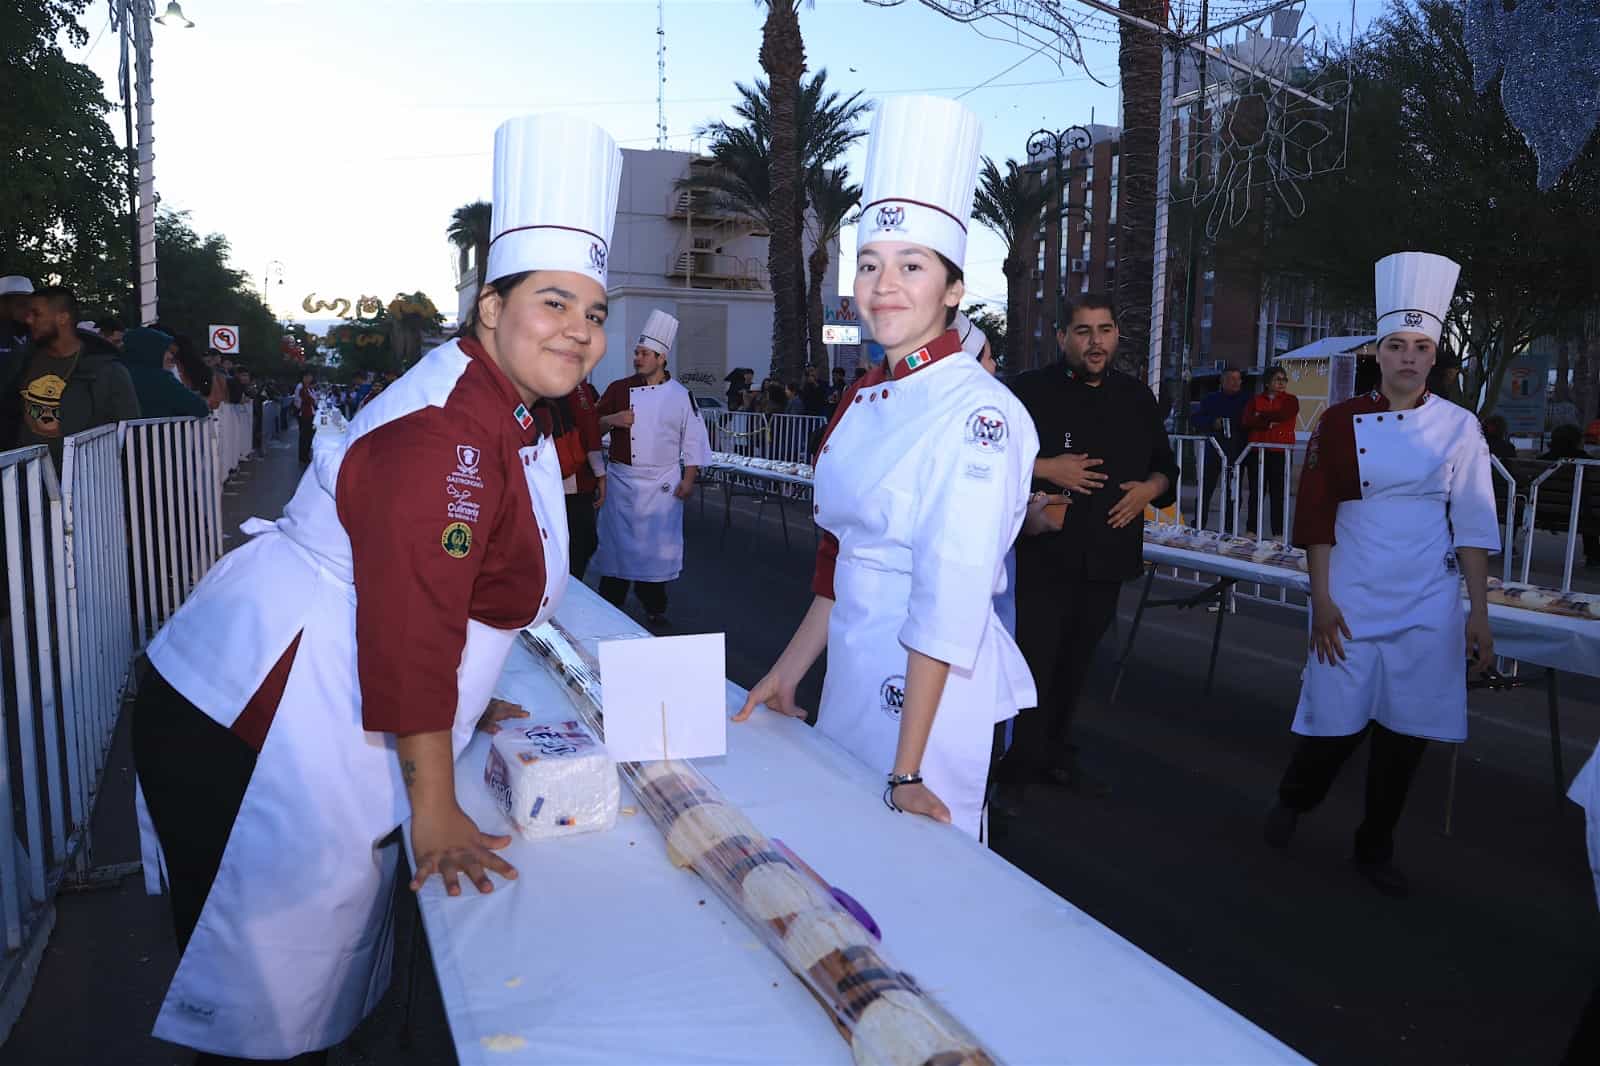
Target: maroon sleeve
point(414, 569)
point(828, 544)
point(1329, 477)
point(615, 400)
point(584, 412)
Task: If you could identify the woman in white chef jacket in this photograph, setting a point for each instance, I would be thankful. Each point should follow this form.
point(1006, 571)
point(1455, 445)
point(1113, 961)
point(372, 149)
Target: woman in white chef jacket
point(1396, 503)
point(921, 486)
point(280, 738)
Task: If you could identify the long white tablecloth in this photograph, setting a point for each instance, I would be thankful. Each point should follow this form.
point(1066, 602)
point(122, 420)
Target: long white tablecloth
point(603, 952)
point(1536, 637)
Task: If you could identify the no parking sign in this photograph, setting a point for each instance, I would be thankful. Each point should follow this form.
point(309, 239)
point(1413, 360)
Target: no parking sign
point(224, 340)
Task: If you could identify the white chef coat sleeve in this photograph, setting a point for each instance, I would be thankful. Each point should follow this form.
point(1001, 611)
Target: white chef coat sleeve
point(971, 508)
point(1472, 513)
point(696, 446)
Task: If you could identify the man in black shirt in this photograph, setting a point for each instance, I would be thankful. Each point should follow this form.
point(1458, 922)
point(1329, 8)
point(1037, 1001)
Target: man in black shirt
point(1100, 439)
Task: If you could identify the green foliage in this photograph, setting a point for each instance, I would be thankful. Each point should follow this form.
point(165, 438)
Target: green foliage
point(993, 324)
point(1434, 166)
point(198, 288)
point(63, 198)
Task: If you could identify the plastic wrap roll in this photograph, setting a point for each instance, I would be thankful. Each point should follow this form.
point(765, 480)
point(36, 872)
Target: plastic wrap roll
point(883, 1013)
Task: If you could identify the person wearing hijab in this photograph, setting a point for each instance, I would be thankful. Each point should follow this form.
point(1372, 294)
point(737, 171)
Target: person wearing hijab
point(1396, 504)
point(921, 488)
point(149, 355)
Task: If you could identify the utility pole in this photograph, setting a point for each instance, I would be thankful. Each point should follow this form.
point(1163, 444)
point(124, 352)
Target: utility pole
point(1056, 144)
point(661, 74)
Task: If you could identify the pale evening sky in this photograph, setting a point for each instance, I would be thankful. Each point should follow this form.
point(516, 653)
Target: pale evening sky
point(337, 137)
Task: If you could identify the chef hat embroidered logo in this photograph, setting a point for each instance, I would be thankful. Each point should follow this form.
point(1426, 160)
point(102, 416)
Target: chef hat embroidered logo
point(556, 179)
point(922, 167)
point(892, 696)
point(986, 430)
point(467, 458)
point(1414, 319)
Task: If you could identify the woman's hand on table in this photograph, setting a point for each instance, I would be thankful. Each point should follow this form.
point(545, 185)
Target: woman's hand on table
point(448, 843)
point(1480, 640)
point(1327, 627)
point(920, 799)
point(777, 692)
point(497, 712)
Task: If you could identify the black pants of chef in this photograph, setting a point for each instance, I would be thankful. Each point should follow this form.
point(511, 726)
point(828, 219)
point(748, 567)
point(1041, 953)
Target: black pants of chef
point(582, 533)
point(1390, 767)
point(1269, 465)
point(193, 773)
point(653, 594)
point(1060, 620)
point(307, 429)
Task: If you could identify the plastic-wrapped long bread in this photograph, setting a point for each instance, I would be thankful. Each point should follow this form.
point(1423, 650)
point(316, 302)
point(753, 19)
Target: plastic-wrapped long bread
point(887, 1019)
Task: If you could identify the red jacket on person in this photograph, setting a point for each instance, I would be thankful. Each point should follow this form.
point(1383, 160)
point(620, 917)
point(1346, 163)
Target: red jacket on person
point(1271, 418)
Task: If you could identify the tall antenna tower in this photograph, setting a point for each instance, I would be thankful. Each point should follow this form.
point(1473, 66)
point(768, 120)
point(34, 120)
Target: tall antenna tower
point(661, 74)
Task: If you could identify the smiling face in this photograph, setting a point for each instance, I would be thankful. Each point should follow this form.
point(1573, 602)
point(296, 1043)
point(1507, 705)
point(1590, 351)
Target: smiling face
point(903, 292)
point(1405, 359)
point(547, 333)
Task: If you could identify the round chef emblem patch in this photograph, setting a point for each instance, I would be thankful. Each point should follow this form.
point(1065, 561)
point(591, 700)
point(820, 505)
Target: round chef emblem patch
point(1414, 319)
point(457, 540)
point(986, 429)
point(892, 696)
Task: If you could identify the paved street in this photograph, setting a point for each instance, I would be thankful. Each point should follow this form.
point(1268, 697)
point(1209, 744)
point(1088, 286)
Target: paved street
point(1490, 961)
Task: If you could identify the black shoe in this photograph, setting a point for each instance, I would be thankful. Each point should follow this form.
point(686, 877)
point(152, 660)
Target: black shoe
point(1280, 825)
point(1384, 877)
point(1009, 797)
point(657, 621)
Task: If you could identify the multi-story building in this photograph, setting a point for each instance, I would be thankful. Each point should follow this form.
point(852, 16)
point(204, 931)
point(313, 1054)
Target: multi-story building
point(706, 266)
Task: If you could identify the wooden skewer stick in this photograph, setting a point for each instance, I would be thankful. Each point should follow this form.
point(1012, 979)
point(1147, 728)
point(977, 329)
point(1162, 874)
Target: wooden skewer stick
point(664, 755)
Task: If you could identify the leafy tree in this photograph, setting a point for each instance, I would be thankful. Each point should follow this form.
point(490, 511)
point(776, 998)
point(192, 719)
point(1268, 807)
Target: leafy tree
point(63, 199)
point(1435, 166)
point(470, 225)
point(199, 288)
point(995, 326)
point(783, 58)
point(1010, 204)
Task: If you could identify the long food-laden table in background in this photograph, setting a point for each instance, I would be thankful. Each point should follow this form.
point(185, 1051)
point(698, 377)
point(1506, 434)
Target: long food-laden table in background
point(763, 480)
point(602, 951)
point(1541, 627)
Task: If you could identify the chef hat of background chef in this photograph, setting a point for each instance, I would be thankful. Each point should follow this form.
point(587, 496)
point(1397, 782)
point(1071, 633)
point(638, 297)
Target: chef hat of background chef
point(972, 338)
point(15, 285)
point(922, 166)
point(660, 330)
point(1413, 291)
point(555, 196)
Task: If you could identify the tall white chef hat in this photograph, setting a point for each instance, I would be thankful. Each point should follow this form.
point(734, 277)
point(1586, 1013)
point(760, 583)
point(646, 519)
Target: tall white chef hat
point(972, 338)
point(1414, 290)
point(660, 330)
point(555, 196)
point(922, 165)
point(15, 285)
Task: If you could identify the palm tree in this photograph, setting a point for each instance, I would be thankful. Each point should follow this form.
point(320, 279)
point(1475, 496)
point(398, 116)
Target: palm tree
point(1010, 204)
point(469, 231)
point(1139, 60)
point(833, 199)
point(783, 58)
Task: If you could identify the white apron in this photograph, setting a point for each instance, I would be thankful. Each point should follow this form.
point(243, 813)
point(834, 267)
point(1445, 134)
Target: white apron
point(925, 515)
point(641, 522)
point(1585, 792)
point(294, 944)
point(1393, 574)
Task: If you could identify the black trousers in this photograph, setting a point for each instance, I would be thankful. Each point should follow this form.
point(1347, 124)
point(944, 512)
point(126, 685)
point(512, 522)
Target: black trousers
point(1392, 764)
point(194, 773)
point(1214, 473)
point(1273, 464)
point(653, 594)
point(583, 536)
point(1060, 620)
point(307, 429)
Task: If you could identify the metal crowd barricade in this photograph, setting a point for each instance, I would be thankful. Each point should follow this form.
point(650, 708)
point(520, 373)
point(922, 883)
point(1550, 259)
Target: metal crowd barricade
point(1508, 538)
point(1255, 458)
point(789, 437)
point(173, 471)
point(1577, 466)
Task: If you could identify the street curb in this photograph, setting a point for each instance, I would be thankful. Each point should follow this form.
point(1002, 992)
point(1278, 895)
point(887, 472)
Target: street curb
point(24, 968)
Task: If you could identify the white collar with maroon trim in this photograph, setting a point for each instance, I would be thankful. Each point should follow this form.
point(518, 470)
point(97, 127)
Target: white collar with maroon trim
point(947, 343)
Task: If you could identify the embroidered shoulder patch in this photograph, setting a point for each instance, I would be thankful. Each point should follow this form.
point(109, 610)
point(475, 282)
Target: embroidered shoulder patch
point(457, 540)
point(986, 430)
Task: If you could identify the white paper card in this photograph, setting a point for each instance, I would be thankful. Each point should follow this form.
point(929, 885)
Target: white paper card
point(664, 697)
point(654, 441)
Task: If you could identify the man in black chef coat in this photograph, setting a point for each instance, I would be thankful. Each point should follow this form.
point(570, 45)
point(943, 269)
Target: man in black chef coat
point(1101, 439)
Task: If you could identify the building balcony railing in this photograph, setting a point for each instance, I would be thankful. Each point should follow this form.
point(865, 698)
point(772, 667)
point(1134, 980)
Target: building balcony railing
point(713, 270)
point(690, 205)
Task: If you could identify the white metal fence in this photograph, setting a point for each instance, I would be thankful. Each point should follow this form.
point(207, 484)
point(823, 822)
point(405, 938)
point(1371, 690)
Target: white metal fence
point(95, 560)
point(786, 438)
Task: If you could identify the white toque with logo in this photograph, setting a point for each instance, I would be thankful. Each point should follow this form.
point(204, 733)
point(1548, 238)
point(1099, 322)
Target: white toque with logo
point(555, 196)
point(1414, 290)
point(660, 330)
point(922, 166)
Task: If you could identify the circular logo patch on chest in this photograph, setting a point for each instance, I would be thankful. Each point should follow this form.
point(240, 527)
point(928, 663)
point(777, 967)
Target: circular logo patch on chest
point(457, 540)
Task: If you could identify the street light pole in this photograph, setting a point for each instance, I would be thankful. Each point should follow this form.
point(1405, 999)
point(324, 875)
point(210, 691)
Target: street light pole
point(1056, 144)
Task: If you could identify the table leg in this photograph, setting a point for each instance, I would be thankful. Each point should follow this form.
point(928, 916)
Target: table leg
point(1450, 790)
point(1553, 697)
point(1224, 587)
point(783, 516)
point(1133, 633)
